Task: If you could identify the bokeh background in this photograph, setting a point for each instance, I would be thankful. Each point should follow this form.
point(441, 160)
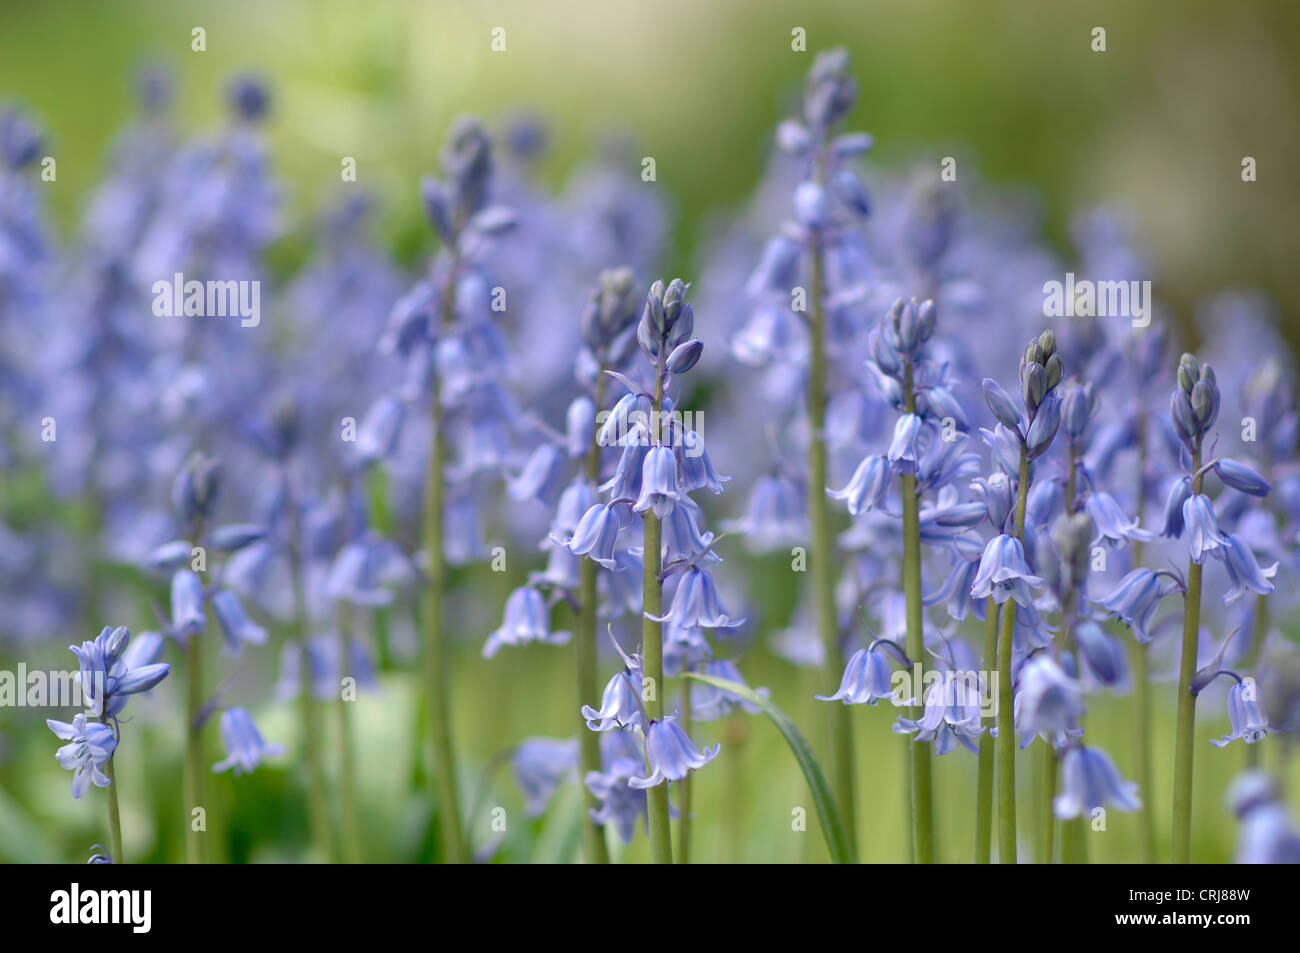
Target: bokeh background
point(1159, 122)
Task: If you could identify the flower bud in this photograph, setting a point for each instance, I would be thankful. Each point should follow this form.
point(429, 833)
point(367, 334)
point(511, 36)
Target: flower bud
point(1033, 385)
point(672, 299)
point(1044, 426)
point(1055, 368)
point(1076, 411)
point(685, 356)
point(1180, 408)
point(1189, 371)
point(1000, 402)
point(194, 493)
point(1205, 403)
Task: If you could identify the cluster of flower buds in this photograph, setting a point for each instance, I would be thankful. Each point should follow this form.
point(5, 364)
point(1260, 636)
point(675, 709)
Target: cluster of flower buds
point(667, 323)
point(1041, 370)
point(901, 334)
point(607, 320)
point(831, 90)
point(194, 491)
point(1195, 401)
point(461, 199)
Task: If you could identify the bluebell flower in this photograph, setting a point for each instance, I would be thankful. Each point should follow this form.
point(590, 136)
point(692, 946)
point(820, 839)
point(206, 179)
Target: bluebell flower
point(595, 535)
point(541, 478)
point(868, 487)
point(867, 679)
point(682, 537)
point(1241, 477)
point(245, 749)
point(952, 713)
point(621, 805)
point(625, 484)
point(1110, 521)
point(709, 703)
point(362, 570)
point(1179, 492)
point(527, 619)
point(998, 496)
point(1048, 702)
point(235, 623)
point(696, 603)
point(904, 450)
point(670, 754)
point(659, 487)
point(1249, 724)
point(99, 855)
point(1102, 656)
point(90, 747)
point(187, 604)
point(620, 705)
point(696, 468)
point(108, 677)
point(541, 765)
point(1243, 569)
point(1089, 780)
point(1202, 528)
point(955, 591)
point(1003, 572)
point(1265, 833)
point(1135, 601)
point(774, 515)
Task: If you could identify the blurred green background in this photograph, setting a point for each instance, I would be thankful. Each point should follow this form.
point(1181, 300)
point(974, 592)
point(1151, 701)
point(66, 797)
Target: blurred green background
point(1161, 121)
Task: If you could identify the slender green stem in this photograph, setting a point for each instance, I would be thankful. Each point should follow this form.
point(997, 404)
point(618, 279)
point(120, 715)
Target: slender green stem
point(683, 855)
point(984, 792)
point(595, 849)
point(1006, 717)
point(1050, 764)
point(114, 815)
point(652, 594)
point(194, 840)
point(437, 684)
point(1180, 852)
point(918, 753)
point(823, 561)
point(347, 764)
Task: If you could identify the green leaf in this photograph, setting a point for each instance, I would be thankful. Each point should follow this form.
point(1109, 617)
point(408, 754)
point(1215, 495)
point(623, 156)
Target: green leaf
point(828, 815)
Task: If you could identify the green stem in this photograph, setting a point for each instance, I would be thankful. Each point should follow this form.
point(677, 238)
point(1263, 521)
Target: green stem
point(840, 726)
point(1180, 852)
point(684, 786)
point(194, 840)
point(595, 849)
point(918, 753)
point(984, 792)
point(347, 765)
point(652, 595)
point(114, 816)
point(436, 681)
point(1006, 716)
